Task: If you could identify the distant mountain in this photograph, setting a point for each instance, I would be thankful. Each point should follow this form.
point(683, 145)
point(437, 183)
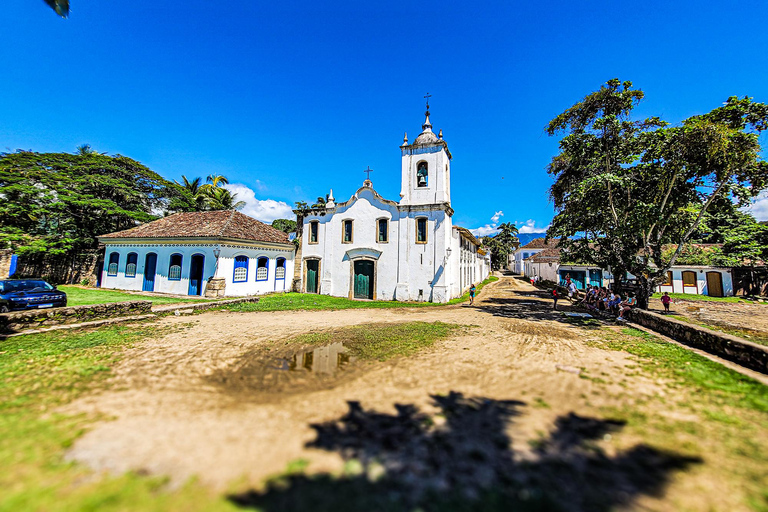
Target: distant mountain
point(525, 238)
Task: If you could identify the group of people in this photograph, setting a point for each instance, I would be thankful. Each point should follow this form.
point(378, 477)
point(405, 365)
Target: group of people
point(598, 299)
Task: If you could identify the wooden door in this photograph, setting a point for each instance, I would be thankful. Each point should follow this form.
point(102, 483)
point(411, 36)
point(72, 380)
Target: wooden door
point(312, 266)
point(363, 279)
point(714, 284)
point(150, 266)
point(596, 277)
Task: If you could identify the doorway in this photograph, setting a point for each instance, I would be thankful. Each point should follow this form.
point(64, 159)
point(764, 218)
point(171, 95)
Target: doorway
point(714, 284)
point(313, 267)
point(363, 279)
point(196, 275)
point(150, 266)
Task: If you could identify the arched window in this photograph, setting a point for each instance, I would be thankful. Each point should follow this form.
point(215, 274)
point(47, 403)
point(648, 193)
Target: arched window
point(114, 259)
point(262, 269)
point(280, 268)
point(174, 268)
point(525, 255)
point(130, 266)
point(422, 174)
point(241, 269)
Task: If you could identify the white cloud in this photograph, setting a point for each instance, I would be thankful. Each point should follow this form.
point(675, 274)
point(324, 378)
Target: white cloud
point(497, 216)
point(760, 207)
point(265, 210)
point(529, 226)
point(487, 230)
point(260, 186)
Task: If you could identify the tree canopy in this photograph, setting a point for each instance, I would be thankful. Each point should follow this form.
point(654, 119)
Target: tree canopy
point(209, 196)
point(59, 202)
point(501, 244)
point(630, 187)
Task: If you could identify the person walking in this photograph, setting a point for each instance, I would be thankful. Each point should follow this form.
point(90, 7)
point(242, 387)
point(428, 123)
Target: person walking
point(666, 299)
point(555, 296)
point(472, 290)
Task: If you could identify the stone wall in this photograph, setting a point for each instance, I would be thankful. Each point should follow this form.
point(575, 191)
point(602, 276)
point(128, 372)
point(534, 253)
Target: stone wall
point(31, 319)
point(61, 269)
point(747, 354)
point(5, 262)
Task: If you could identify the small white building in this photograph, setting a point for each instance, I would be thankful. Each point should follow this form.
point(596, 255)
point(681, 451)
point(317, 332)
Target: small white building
point(370, 247)
point(181, 253)
point(518, 257)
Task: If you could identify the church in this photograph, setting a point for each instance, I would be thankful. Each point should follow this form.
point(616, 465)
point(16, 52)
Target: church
point(370, 247)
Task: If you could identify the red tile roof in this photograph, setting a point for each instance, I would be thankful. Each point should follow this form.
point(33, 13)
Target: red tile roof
point(538, 243)
point(216, 224)
point(551, 254)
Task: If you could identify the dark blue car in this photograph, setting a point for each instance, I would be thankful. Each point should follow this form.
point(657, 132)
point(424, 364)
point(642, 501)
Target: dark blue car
point(16, 294)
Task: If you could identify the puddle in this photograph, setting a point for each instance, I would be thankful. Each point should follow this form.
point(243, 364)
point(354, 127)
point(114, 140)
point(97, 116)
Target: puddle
point(323, 360)
point(263, 376)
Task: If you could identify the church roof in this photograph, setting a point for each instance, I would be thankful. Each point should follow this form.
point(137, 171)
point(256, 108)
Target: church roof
point(216, 224)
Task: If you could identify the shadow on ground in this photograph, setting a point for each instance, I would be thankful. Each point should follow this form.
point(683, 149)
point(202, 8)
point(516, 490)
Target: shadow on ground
point(462, 459)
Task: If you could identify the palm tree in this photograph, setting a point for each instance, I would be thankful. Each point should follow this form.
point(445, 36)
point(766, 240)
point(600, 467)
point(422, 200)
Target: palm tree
point(195, 190)
point(322, 201)
point(223, 199)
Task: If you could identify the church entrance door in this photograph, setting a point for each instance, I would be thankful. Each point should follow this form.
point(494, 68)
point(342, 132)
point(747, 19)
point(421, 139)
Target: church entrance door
point(364, 279)
point(312, 267)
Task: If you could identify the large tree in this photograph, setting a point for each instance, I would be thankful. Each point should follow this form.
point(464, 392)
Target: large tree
point(623, 188)
point(501, 244)
point(58, 203)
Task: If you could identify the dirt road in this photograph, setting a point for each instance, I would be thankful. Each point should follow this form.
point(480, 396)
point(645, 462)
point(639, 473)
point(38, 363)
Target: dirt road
point(169, 417)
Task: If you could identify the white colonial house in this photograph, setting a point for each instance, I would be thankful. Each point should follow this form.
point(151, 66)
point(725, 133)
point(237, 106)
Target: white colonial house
point(182, 253)
point(517, 258)
point(370, 247)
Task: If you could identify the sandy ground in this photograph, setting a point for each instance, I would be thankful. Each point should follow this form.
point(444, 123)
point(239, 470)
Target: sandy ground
point(746, 316)
point(169, 411)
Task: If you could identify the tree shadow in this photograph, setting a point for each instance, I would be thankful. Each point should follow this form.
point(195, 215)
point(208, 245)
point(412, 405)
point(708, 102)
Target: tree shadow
point(462, 459)
point(530, 306)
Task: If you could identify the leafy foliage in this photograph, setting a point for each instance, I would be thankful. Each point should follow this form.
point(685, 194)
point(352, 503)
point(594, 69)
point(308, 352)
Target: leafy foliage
point(501, 244)
point(58, 203)
point(60, 6)
point(284, 225)
point(631, 187)
point(211, 195)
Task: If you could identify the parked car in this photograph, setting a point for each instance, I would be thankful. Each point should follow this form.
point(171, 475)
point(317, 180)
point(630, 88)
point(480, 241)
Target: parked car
point(17, 294)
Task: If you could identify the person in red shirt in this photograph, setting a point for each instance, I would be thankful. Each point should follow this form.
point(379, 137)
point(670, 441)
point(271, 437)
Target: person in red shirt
point(666, 299)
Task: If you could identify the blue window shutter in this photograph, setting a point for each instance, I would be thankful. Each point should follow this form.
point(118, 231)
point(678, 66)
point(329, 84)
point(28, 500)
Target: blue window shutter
point(241, 269)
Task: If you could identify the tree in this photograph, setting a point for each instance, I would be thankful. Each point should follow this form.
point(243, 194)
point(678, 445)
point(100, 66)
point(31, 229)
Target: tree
point(222, 199)
point(60, 6)
point(284, 225)
point(321, 201)
point(195, 192)
point(501, 244)
point(631, 187)
point(56, 204)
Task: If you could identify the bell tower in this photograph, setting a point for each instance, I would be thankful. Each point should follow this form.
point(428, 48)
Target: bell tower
point(426, 168)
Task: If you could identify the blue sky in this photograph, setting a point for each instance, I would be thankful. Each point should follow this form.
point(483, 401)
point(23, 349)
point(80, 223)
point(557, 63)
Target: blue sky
point(290, 99)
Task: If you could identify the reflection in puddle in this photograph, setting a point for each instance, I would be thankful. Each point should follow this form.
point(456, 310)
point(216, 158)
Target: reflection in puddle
point(326, 360)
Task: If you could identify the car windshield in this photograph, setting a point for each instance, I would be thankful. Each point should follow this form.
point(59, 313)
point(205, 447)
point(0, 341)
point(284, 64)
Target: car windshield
point(24, 286)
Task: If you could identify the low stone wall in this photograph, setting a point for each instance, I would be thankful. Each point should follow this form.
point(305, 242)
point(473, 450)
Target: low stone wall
point(32, 319)
point(747, 354)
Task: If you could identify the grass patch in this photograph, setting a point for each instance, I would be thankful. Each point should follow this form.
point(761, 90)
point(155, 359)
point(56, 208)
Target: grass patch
point(40, 372)
point(312, 301)
point(381, 341)
point(701, 298)
point(77, 296)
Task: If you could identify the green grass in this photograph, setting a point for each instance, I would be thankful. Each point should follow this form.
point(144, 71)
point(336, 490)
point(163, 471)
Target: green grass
point(700, 298)
point(77, 296)
point(691, 370)
point(311, 301)
point(40, 372)
point(381, 341)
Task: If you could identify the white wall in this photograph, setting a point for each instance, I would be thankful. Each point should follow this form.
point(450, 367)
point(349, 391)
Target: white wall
point(403, 267)
point(181, 286)
point(517, 261)
point(701, 281)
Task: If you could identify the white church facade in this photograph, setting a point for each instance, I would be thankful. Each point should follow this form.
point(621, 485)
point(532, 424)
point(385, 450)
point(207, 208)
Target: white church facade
point(370, 247)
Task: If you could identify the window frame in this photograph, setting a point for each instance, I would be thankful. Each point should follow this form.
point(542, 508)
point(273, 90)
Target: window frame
point(116, 256)
point(241, 258)
point(695, 280)
point(386, 230)
point(314, 225)
point(426, 230)
point(171, 265)
point(277, 266)
point(135, 264)
point(258, 266)
point(344, 231)
point(669, 279)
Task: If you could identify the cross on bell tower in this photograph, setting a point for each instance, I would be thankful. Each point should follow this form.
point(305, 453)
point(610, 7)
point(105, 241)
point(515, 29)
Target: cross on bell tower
point(367, 181)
